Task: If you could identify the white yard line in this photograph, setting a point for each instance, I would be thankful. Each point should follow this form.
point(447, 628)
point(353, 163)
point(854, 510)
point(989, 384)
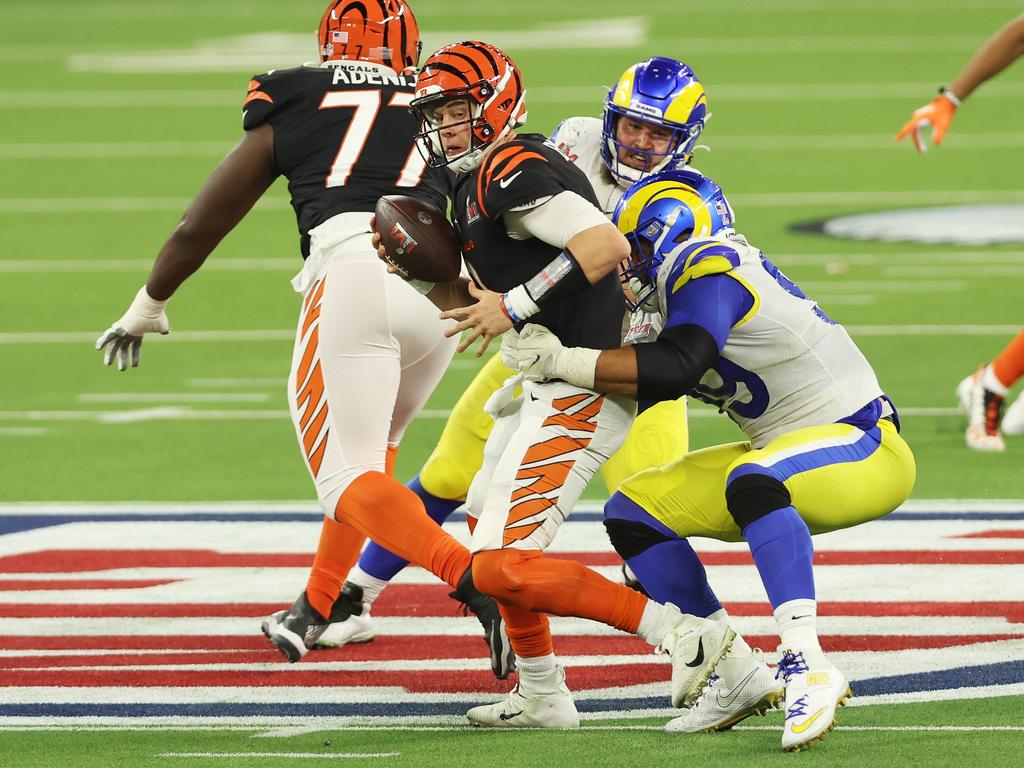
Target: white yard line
point(917, 260)
point(732, 143)
point(173, 397)
point(114, 508)
point(824, 198)
point(36, 266)
point(290, 755)
point(182, 413)
point(575, 94)
point(80, 337)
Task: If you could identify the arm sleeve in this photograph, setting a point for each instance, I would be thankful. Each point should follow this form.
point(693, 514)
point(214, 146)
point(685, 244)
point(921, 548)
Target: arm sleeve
point(700, 315)
point(556, 221)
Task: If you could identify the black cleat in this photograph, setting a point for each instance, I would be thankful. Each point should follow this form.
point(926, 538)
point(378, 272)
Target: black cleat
point(503, 658)
point(296, 631)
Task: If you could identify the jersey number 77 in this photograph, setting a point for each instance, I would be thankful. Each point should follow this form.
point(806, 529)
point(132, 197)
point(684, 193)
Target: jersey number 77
point(367, 105)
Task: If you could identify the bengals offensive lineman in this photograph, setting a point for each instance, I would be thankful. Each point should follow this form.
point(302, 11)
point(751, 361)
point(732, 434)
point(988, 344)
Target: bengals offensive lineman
point(368, 350)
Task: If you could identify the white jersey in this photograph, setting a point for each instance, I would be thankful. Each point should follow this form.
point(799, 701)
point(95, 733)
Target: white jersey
point(579, 139)
point(785, 364)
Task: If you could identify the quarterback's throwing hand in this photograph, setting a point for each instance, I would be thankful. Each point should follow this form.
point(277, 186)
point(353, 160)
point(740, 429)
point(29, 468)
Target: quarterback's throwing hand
point(937, 114)
point(124, 338)
point(485, 319)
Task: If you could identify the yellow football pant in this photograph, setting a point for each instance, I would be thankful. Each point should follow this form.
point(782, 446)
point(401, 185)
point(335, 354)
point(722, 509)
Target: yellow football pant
point(837, 475)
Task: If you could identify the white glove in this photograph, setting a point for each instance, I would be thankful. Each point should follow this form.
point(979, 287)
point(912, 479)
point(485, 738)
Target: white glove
point(145, 315)
point(539, 354)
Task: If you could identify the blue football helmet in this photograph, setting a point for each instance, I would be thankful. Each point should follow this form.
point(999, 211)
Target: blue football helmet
point(660, 213)
point(662, 92)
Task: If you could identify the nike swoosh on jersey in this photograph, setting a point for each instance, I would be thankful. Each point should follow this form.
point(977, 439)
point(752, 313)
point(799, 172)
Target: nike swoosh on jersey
point(808, 722)
point(505, 182)
point(727, 701)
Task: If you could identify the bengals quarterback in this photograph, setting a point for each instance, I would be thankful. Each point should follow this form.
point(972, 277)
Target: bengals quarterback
point(538, 247)
point(368, 349)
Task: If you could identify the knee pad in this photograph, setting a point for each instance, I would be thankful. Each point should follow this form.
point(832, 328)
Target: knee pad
point(630, 538)
point(751, 497)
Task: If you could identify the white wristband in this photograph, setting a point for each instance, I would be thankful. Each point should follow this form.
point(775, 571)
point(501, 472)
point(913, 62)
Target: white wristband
point(519, 305)
point(577, 365)
point(951, 97)
point(146, 305)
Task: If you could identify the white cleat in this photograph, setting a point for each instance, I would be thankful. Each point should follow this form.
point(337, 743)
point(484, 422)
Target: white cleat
point(1013, 419)
point(984, 412)
point(551, 708)
point(354, 629)
point(696, 646)
point(813, 693)
point(755, 691)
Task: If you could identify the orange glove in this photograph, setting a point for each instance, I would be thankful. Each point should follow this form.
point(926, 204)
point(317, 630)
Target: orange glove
point(938, 114)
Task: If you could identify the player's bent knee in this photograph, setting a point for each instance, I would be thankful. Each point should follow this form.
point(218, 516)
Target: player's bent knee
point(630, 538)
point(750, 497)
point(501, 574)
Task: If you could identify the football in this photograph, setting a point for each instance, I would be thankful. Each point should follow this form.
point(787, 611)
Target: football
point(418, 239)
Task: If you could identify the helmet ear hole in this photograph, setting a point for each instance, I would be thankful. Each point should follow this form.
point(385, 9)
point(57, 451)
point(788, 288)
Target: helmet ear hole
point(684, 235)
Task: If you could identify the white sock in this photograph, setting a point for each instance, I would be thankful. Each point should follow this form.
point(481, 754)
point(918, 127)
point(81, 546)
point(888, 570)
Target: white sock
point(797, 621)
point(990, 381)
point(538, 674)
point(720, 615)
point(656, 621)
point(372, 586)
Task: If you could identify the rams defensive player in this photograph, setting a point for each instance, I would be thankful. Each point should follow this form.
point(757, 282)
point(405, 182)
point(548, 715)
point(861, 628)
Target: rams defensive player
point(824, 449)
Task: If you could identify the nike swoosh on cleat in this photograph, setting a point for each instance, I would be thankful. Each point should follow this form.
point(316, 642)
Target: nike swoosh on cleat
point(699, 658)
point(504, 716)
point(808, 722)
point(727, 701)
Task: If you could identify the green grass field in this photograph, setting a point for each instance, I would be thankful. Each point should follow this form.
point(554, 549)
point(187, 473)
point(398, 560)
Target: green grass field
point(114, 113)
point(874, 735)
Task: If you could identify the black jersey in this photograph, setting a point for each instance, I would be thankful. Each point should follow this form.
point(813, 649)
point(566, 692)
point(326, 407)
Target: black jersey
point(343, 137)
point(513, 175)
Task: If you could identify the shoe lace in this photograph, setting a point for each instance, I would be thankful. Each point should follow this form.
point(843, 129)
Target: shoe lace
point(797, 708)
point(791, 663)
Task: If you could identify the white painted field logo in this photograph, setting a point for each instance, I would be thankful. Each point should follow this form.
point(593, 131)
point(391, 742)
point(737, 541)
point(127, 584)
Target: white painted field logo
point(955, 225)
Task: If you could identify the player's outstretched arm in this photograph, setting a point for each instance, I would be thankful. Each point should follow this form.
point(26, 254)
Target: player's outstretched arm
point(228, 194)
point(653, 371)
point(999, 52)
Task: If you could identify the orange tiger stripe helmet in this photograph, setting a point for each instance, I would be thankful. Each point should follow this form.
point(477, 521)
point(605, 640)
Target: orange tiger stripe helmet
point(489, 80)
point(379, 31)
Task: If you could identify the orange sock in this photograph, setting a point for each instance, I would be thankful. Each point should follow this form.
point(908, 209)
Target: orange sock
point(393, 516)
point(337, 552)
point(526, 579)
point(529, 633)
point(390, 459)
point(1008, 367)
